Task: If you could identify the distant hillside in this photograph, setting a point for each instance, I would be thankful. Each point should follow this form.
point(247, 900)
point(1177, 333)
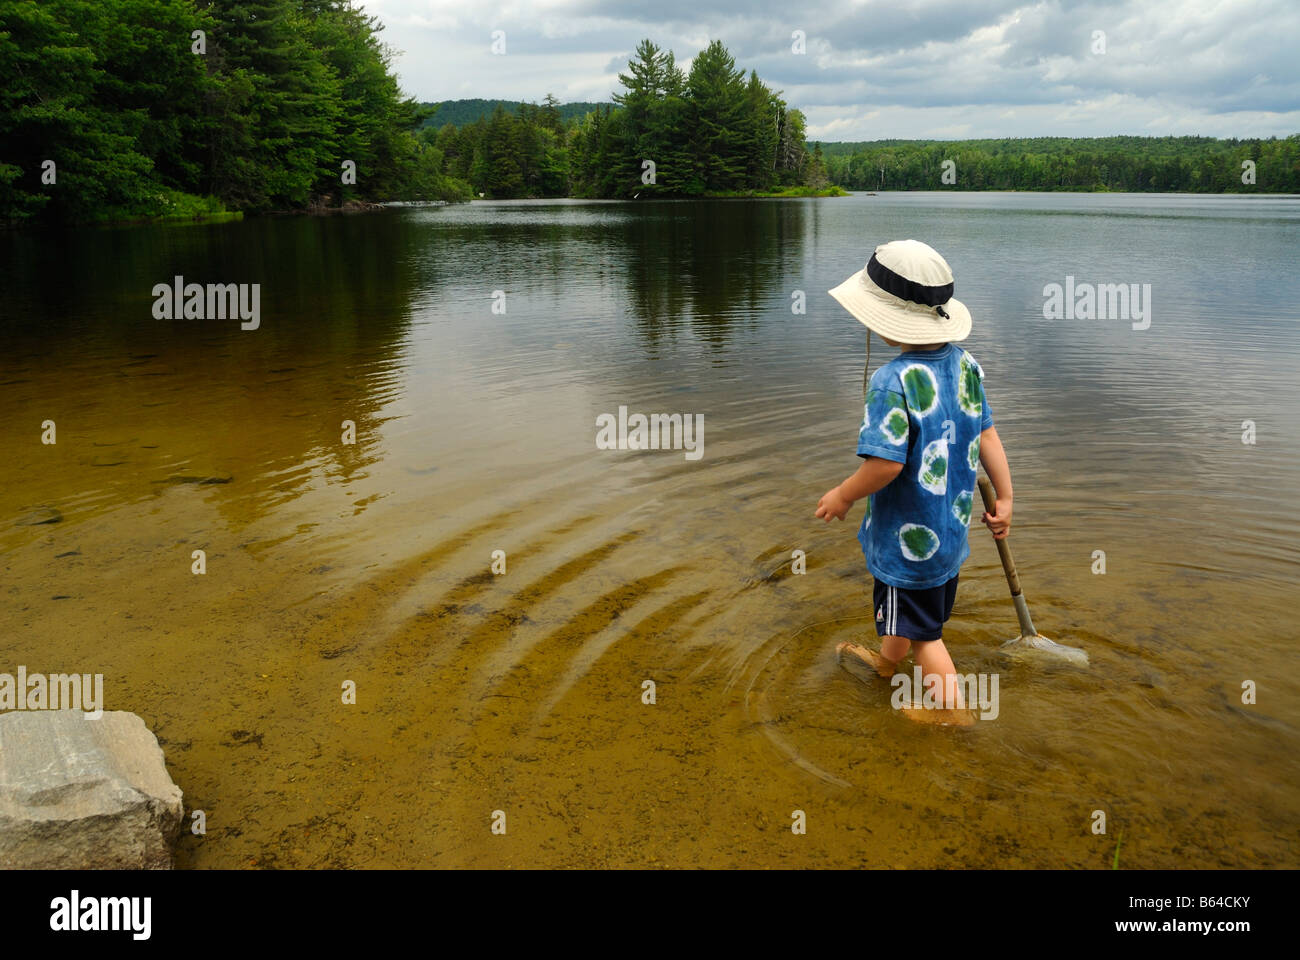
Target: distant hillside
point(1162, 146)
point(460, 112)
point(1121, 163)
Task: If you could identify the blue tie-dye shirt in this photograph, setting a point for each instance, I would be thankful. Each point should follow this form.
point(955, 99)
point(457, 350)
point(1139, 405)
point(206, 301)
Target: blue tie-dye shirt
point(926, 410)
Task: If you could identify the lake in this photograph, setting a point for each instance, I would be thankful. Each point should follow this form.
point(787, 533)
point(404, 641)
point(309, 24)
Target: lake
point(1172, 450)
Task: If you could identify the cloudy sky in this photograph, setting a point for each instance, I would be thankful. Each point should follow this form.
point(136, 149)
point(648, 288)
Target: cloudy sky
point(906, 68)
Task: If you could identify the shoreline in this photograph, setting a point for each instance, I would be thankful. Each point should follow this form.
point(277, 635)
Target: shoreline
point(359, 207)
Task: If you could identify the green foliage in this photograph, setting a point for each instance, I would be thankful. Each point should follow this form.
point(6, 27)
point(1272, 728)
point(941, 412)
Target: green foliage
point(1132, 164)
point(710, 132)
point(110, 105)
point(721, 127)
point(461, 113)
point(137, 124)
point(175, 205)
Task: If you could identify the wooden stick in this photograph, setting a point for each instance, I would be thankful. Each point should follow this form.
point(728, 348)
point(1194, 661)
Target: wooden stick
point(1004, 548)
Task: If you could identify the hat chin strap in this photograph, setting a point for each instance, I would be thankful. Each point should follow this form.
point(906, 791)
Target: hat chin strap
point(865, 367)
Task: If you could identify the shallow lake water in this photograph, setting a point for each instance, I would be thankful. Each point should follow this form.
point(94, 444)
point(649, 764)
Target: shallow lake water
point(522, 691)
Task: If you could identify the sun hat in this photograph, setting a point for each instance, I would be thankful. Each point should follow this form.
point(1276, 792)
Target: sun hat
point(904, 294)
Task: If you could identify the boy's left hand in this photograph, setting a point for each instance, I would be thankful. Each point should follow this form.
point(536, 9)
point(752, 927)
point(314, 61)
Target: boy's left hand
point(999, 522)
point(833, 505)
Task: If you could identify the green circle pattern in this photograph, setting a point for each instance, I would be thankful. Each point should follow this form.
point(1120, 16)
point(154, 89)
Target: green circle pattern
point(918, 542)
point(921, 389)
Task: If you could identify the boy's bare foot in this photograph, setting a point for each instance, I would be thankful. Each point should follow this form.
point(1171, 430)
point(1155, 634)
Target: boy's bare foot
point(882, 666)
point(943, 718)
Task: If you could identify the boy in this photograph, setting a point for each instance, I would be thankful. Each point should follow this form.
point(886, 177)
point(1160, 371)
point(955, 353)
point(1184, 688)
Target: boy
point(926, 425)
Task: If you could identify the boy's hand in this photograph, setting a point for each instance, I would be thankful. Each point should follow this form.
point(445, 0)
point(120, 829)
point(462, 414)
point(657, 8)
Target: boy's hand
point(999, 522)
point(833, 505)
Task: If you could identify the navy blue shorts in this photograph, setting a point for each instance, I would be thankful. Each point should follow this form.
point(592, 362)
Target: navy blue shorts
point(914, 614)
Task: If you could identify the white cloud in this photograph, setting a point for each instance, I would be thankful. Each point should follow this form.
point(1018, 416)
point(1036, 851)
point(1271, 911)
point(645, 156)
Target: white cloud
point(904, 68)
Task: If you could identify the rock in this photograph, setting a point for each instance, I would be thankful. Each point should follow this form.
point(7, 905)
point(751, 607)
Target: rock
point(77, 793)
point(35, 516)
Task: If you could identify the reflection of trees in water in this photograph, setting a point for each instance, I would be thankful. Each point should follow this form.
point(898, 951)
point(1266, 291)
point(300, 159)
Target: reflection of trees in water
point(713, 263)
point(138, 400)
point(133, 395)
point(666, 264)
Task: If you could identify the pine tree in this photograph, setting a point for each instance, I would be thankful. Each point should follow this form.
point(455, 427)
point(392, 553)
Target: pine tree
point(280, 107)
point(716, 96)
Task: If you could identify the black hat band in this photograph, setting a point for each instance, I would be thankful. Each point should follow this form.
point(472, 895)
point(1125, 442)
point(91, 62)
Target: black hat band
point(906, 289)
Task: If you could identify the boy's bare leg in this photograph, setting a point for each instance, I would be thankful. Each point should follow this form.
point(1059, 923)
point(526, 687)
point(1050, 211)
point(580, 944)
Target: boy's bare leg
point(933, 658)
point(892, 650)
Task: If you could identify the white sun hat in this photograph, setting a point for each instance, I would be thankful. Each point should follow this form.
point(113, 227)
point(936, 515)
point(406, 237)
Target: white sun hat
point(904, 294)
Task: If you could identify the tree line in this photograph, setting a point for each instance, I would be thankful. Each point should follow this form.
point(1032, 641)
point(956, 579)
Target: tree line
point(462, 112)
point(1136, 164)
point(113, 109)
point(707, 131)
point(120, 109)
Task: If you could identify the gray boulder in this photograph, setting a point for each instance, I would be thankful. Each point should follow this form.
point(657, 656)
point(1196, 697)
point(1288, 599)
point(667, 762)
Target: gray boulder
point(77, 793)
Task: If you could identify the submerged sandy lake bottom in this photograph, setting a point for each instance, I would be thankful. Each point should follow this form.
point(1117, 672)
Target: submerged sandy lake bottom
point(522, 692)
